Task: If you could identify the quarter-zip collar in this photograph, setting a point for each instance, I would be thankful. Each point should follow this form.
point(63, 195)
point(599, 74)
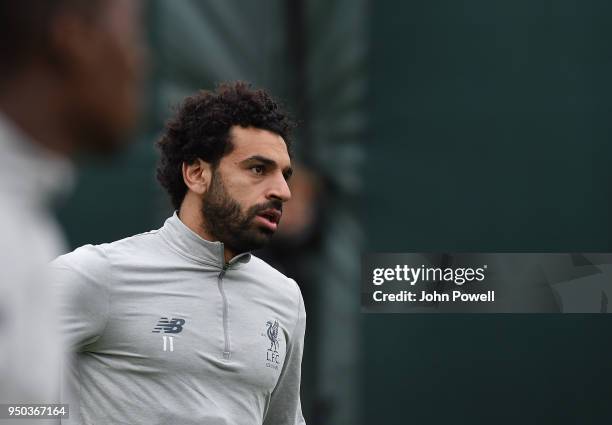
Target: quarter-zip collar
point(193, 246)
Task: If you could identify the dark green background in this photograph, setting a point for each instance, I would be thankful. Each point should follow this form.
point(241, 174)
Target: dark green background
point(491, 131)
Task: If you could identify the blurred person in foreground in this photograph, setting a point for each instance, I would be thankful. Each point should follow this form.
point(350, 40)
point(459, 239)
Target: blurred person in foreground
point(69, 74)
point(182, 325)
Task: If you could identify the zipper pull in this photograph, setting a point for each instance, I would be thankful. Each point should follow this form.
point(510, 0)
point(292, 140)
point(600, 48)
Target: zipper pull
point(223, 270)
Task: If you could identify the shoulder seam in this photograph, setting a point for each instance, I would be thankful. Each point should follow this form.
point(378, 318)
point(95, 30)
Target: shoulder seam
point(150, 232)
point(298, 307)
point(108, 292)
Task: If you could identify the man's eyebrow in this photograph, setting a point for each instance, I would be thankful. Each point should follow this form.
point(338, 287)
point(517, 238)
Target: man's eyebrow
point(267, 161)
point(259, 158)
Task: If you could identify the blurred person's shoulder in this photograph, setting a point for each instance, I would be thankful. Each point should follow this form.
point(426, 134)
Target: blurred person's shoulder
point(30, 238)
point(26, 246)
point(30, 178)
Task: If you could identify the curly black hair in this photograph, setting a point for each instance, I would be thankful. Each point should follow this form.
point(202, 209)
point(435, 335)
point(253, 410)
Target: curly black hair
point(200, 130)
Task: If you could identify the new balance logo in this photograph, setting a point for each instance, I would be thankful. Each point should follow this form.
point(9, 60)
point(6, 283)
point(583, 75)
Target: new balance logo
point(166, 326)
point(173, 326)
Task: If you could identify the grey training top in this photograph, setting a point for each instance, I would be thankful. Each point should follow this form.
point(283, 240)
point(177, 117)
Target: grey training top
point(165, 334)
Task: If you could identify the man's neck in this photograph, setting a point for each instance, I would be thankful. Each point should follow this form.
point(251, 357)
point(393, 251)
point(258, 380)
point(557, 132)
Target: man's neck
point(191, 217)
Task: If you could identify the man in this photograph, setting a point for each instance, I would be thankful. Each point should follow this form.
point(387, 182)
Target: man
point(69, 78)
point(182, 325)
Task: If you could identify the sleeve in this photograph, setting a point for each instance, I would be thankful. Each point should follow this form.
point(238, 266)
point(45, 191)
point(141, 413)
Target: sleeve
point(81, 283)
point(285, 407)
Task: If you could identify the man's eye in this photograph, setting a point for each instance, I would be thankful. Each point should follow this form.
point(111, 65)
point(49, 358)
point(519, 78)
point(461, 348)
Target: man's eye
point(258, 169)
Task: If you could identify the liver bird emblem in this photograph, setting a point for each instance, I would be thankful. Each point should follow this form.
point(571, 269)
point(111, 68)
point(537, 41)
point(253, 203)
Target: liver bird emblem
point(273, 335)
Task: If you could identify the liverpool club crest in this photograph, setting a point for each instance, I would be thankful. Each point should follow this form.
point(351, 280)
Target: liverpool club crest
point(272, 356)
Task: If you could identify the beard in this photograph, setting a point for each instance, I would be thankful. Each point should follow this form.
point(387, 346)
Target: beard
point(225, 221)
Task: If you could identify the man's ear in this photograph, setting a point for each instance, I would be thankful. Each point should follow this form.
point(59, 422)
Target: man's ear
point(197, 176)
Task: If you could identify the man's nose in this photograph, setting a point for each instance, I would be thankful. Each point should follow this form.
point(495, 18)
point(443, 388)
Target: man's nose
point(279, 189)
